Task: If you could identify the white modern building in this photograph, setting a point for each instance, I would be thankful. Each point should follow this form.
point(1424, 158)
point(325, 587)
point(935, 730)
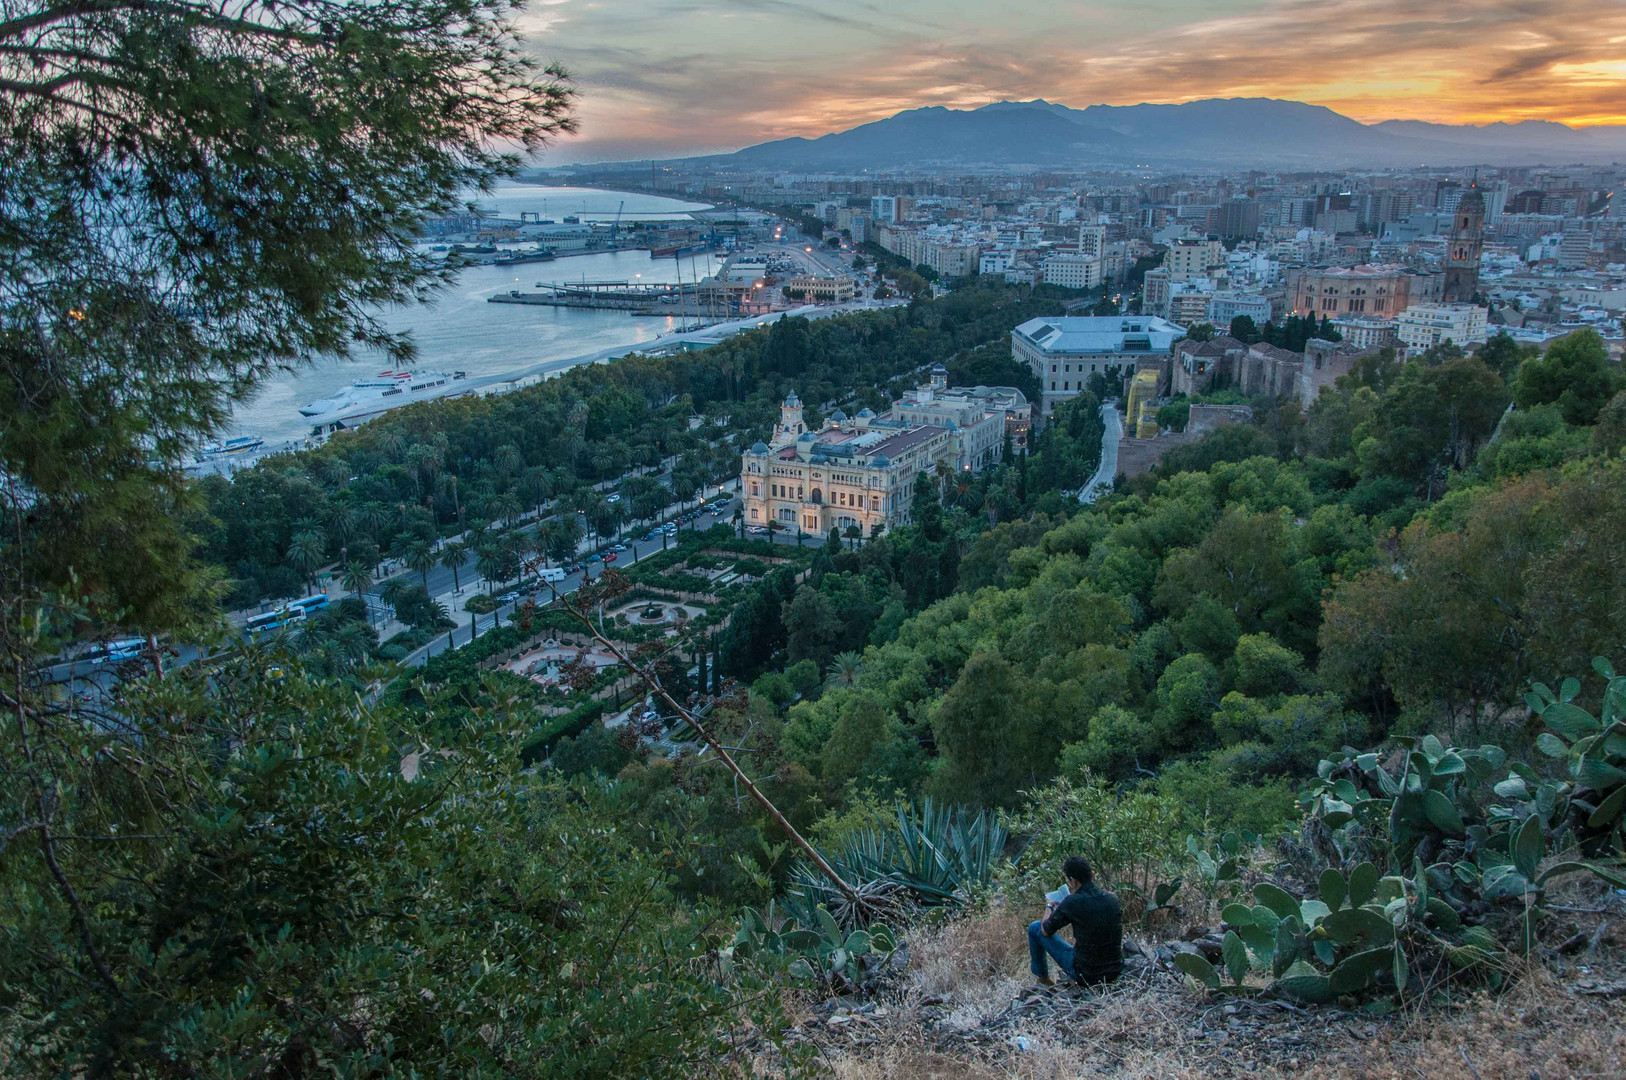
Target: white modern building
point(1072, 270)
point(1064, 353)
point(1365, 331)
point(1423, 326)
point(1227, 304)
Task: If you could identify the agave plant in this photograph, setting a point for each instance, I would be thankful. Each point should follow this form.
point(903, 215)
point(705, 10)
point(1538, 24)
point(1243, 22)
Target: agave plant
point(930, 857)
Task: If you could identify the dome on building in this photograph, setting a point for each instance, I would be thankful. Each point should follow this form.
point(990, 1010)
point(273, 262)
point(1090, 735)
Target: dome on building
point(759, 447)
point(1472, 199)
point(806, 436)
point(881, 461)
point(792, 401)
point(939, 369)
point(839, 417)
point(866, 414)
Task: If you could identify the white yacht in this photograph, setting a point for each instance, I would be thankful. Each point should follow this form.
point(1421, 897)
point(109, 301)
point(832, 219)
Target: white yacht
point(243, 444)
point(386, 390)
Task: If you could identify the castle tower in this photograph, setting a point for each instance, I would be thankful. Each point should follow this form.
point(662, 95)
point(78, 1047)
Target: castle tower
point(791, 424)
point(1462, 251)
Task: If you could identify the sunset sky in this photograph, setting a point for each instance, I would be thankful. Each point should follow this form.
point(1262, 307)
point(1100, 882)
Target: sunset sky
point(665, 78)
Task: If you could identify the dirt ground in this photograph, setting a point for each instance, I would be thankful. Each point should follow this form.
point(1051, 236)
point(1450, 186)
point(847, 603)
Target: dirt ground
point(966, 1008)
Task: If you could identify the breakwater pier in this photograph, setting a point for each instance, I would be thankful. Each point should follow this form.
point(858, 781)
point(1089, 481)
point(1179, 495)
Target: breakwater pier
point(606, 295)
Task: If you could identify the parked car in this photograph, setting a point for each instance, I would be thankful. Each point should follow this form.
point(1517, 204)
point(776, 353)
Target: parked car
point(614, 498)
point(575, 568)
point(758, 529)
point(510, 597)
point(610, 556)
point(595, 558)
point(618, 547)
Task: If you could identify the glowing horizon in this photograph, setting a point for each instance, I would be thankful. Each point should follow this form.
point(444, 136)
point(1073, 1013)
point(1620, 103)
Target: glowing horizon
point(664, 78)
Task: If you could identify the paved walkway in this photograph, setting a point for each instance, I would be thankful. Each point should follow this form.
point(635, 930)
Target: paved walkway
point(1108, 469)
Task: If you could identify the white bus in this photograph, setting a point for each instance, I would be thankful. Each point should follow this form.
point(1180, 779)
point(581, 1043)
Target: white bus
point(291, 612)
point(118, 651)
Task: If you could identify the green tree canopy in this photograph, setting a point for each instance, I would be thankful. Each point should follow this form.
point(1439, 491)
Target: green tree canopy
point(1575, 373)
point(279, 881)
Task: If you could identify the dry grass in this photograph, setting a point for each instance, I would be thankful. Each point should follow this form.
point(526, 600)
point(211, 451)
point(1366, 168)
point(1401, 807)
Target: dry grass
point(1155, 1028)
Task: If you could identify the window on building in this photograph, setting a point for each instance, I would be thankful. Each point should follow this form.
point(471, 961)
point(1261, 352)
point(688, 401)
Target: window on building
point(753, 513)
point(755, 489)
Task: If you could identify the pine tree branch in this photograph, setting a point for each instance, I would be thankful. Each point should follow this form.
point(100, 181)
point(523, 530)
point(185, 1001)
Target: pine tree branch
point(687, 716)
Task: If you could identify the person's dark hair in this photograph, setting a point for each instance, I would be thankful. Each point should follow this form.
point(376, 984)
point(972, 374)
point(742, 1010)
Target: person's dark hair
point(1078, 868)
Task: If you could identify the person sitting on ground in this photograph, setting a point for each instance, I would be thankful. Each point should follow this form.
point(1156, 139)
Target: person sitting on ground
point(1096, 955)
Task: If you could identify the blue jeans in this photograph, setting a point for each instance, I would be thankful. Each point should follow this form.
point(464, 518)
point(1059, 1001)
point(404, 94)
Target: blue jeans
point(1040, 945)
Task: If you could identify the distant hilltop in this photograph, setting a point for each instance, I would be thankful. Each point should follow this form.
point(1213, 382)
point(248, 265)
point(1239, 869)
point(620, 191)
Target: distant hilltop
point(1233, 132)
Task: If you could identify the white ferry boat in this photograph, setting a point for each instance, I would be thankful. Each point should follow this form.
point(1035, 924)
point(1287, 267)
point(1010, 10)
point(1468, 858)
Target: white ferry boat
point(386, 390)
point(243, 444)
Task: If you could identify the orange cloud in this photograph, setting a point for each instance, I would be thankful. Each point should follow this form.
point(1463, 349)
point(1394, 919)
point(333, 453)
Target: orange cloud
point(687, 76)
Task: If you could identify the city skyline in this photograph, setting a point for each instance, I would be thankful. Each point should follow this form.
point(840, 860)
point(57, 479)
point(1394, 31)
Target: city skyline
point(684, 77)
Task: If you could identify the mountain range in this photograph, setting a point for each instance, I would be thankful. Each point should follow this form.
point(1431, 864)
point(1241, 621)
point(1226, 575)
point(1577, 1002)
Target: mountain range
point(1264, 132)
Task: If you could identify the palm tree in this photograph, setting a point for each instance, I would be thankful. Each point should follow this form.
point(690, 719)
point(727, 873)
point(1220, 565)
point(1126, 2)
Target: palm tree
point(537, 487)
point(566, 535)
point(844, 669)
point(344, 524)
point(489, 565)
point(509, 460)
point(509, 506)
point(853, 533)
point(457, 504)
point(306, 552)
point(452, 557)
point(373, 518)
point(542, 539)
point(352, 644)
point(421, 558)
point(357, 577)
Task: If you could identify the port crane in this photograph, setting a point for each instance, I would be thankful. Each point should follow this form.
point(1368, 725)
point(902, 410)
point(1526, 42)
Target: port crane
point(615, 228)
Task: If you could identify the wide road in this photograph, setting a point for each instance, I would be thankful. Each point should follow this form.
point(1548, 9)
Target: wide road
point(636, 549)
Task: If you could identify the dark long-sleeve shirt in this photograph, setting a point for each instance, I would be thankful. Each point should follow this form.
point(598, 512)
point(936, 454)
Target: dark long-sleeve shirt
point(1098, 935)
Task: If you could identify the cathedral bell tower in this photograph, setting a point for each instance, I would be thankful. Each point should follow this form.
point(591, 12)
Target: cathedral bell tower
point(1462, 251)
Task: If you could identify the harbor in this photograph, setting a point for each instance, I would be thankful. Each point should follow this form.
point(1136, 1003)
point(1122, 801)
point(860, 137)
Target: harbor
point(500, 347)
